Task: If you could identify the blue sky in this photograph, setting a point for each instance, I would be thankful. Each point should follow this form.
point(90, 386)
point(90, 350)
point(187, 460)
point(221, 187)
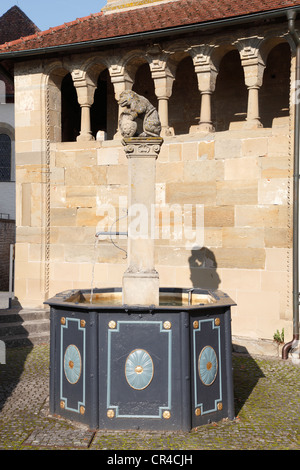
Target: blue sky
point(55, 12)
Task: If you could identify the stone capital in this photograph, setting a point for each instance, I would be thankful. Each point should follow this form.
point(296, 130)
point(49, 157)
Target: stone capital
point(163, 86)
point(85, 87)
point(206, 79)
point(252, 60)
point(205, 68)
point(120, 85)
point(120, 79)
point(142, 147)
point(249, 48)
point(163, 78)
point(253, 73)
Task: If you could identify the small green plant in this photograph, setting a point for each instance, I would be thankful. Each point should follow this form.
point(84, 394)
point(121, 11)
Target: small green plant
point(279, 337)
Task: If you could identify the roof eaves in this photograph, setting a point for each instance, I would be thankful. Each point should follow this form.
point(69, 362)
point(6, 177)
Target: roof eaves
point(220, 22)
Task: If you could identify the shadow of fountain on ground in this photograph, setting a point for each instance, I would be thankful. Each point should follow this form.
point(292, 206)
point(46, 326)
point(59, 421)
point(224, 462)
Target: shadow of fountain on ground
point(246, 374)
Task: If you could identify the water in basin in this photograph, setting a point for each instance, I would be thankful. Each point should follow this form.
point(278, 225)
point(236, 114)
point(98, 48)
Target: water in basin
point(165, 298)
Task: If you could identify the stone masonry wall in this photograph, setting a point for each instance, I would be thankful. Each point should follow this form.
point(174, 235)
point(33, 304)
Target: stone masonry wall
point(242, 178)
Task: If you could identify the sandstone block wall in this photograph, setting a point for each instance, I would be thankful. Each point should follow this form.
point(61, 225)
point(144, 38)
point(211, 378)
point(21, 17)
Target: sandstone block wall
point(242, 179)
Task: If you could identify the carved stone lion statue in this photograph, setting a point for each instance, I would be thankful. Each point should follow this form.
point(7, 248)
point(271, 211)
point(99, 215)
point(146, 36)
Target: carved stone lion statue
point(138, 106)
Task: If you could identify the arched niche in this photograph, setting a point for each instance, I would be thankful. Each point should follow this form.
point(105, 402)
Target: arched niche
point(5, 157)
point(7, 152)
point(144, 84)
point(132, 62)
point(184, 104)
point(104, 111)
point(275, 89)
point(70, 110)
point(61, 102)
point(229, 100)
point(139, 71)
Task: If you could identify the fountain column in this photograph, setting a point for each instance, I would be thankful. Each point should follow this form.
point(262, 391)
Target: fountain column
point(141, 280)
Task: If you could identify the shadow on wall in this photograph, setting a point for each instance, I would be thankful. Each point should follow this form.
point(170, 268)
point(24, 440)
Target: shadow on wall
point(246, 371)
point(203, 269)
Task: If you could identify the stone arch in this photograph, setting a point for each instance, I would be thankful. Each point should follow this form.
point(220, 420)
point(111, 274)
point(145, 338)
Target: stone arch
point(104, 110)
point(137, 66)
point(9, 141)
point(144, 86)
point(132, 61)
point(184, 103)
point(218, 51)
point(70, 110)
point(58, 79)
point(229, 101)
point(177, 49)
point(275, 90)
point(143, 83)
point(136, 70)
point(270, 42)
point(93, 66)
point(6, 128)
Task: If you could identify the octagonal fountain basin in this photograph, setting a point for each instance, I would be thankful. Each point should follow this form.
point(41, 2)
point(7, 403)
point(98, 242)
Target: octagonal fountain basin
point(164, 367)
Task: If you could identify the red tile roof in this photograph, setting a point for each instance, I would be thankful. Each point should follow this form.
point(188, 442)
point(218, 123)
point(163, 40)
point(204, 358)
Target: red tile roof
point(140, 20)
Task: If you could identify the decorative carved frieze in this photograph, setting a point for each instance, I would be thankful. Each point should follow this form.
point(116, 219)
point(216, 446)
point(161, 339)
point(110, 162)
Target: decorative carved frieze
point(135, 147)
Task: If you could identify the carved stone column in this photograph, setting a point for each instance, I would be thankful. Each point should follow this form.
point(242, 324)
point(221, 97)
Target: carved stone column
point(163, 82)
point(254, 66)
point(253, 80)
point(206, 75)
point(141, 280)
point(121, 82)
point(85, 88)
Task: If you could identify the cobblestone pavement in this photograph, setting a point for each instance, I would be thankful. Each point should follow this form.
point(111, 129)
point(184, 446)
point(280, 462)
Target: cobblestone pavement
point(267, 406)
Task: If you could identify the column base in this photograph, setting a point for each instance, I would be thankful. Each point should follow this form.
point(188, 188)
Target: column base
point(118, 135)
point(252, 124)
point(167, 132)
point(141, 288)
point(203, 127)
point(85, 138)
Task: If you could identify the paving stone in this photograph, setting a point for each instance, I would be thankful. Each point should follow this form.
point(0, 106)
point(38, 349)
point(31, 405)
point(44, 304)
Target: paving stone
point(267, 407)
point(60, 436)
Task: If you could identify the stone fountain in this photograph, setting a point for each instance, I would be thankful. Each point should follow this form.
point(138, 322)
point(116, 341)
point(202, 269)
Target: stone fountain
point(141, 356)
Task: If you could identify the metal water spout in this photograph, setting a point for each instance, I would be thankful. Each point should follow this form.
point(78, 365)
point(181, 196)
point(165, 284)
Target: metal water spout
point(99, 234)
point(190, 293)
point(112, 233)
